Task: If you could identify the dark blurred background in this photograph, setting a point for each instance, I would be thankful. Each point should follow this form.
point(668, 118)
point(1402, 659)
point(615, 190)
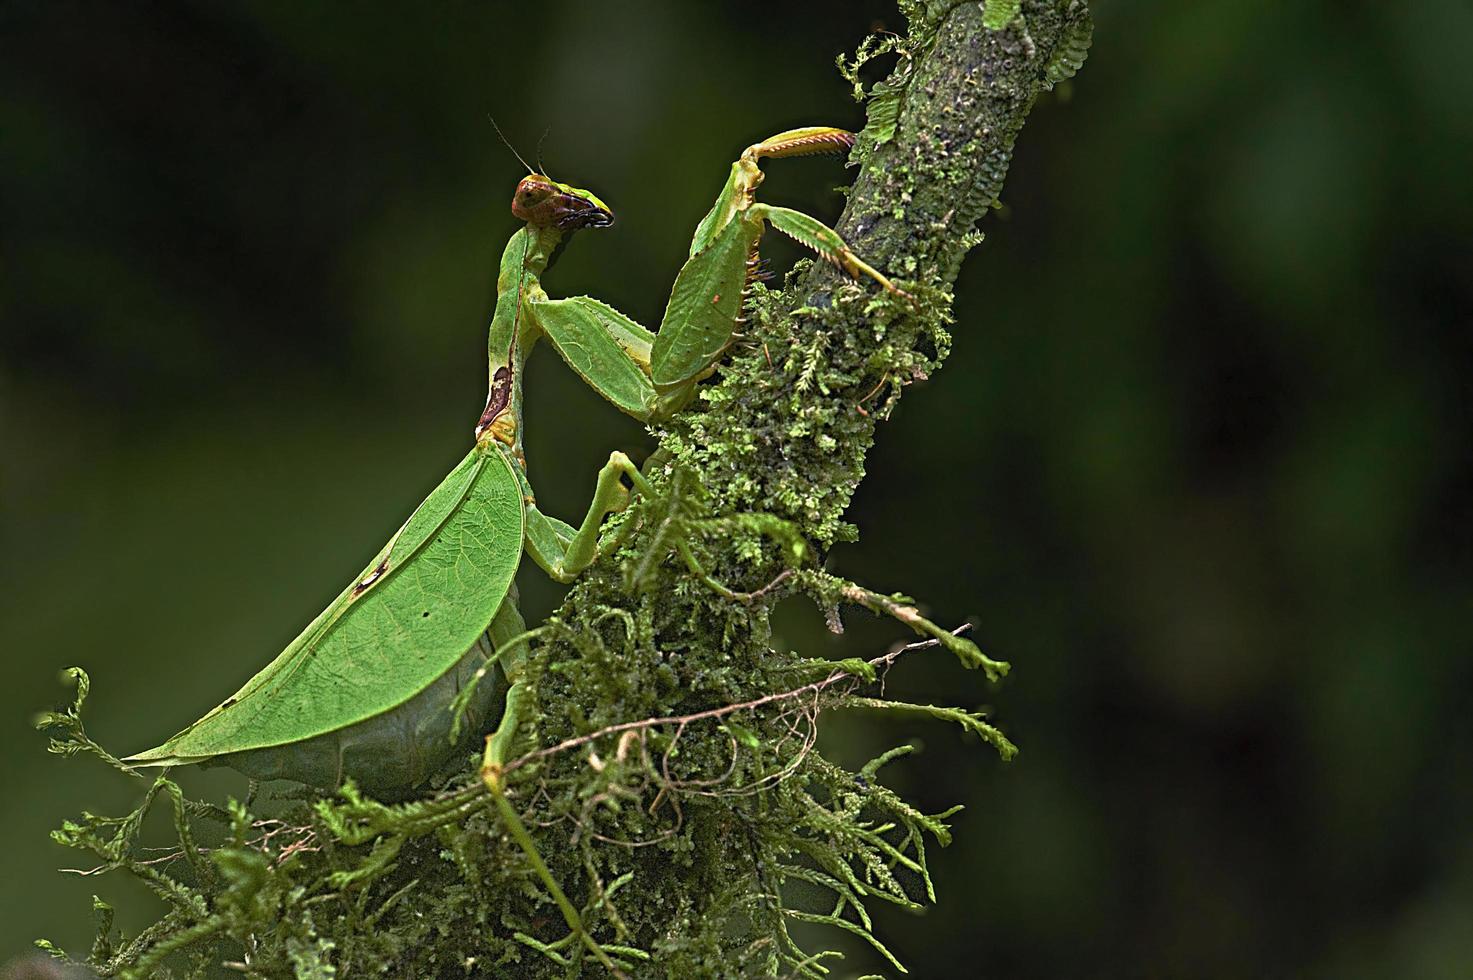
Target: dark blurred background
point(1196, 466)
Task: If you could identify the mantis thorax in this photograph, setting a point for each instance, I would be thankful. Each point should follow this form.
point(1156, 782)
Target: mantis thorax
point(513, 332)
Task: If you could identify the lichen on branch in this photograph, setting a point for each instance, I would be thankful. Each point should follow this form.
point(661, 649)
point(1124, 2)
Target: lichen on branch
point(666, 792)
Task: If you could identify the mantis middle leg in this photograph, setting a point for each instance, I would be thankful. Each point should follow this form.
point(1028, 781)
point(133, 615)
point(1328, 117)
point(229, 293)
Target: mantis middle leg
point(562, 551)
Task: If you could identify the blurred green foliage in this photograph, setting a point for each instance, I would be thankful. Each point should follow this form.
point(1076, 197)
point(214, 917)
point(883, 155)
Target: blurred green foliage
point(1194, 466)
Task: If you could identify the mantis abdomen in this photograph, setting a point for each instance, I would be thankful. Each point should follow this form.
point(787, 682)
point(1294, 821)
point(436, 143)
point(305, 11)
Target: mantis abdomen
point(400, 749)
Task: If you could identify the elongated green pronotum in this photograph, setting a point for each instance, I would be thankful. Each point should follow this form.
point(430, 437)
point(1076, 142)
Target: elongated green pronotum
point(366, 689)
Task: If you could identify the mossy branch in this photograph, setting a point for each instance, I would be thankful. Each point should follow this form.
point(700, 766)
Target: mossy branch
point(665, 785)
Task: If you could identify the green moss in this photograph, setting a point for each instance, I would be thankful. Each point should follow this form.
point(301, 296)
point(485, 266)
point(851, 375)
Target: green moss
point(669, 780)
point(1001, 13)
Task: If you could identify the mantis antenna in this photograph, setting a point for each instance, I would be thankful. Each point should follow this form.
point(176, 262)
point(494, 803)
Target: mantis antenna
point(540, 140)
point(513, 149)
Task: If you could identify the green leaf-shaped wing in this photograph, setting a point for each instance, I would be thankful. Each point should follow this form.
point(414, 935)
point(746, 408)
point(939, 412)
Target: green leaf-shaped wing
point(411, 616)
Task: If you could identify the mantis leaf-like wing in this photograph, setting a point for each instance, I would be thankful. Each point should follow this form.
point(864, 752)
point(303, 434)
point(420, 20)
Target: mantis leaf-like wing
point(402, 625)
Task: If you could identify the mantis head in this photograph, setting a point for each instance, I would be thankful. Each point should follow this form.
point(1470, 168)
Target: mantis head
point(544, 202)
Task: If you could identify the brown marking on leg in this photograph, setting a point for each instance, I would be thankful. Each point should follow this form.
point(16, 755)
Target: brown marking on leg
point(497, 399)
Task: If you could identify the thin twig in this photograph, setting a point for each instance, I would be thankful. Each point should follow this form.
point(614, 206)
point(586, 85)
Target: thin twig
point(881, 662)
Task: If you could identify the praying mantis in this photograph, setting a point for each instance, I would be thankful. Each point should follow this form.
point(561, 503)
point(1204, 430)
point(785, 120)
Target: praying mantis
point(365, 691)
